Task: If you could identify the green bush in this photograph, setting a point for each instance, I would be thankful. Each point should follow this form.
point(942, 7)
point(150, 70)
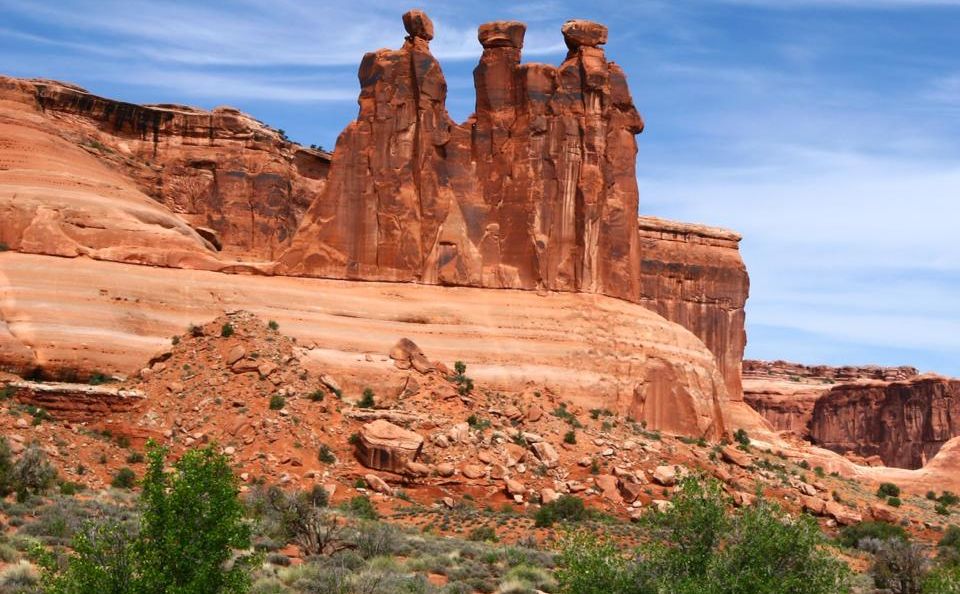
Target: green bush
point(850, 536)
point(567, 508)
point(317, 396)
point(325, 454)
point(6, 468)
point(226, 330)
point(273, 325)
point(361, 507)
point(888, 490)
point(124, 479)
point(367, 400)
point(277, 402)
point(894, 501)
point(570, 437)
point(741, 437)
point(696, 548)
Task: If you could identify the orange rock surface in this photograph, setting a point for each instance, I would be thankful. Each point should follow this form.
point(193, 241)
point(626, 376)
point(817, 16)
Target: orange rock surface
point(596, 351)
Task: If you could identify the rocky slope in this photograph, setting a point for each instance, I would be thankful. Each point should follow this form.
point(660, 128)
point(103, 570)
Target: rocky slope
point(597, 351)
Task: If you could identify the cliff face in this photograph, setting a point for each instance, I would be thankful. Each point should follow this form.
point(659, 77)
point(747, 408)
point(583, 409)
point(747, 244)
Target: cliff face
point(535, 191)
point(222, 172)
point(694, 276)
point(905, 423)
point(785, 393)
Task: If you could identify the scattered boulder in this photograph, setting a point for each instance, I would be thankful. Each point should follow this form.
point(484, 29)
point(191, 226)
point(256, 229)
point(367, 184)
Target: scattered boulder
point(407, 354)
point(546, 453)
point(472, 471)
point(665, 475)
point(378, 484)
point(385, 446)
point(736, 457)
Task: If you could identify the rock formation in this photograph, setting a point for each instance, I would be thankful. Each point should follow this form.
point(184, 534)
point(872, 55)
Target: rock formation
point(904, 423)
point(693, 275)
point(535, 191)
point(785, 393)
point(241, 185)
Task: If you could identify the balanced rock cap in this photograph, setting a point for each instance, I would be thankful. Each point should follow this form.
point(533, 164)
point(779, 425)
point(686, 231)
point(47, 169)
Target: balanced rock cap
point(578, 33)
point(501, 34)
point(418, 24)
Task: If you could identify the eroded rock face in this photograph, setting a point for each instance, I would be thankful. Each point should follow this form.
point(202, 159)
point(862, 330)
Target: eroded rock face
point(221, 170)
point(905, 423)
point(693, 275)
point(785, 393)
point(535, 191)
point(385, 446)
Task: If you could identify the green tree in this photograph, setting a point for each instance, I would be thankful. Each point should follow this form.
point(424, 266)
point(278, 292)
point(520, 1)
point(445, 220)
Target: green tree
point(192, 521)
point(6, 468)
point(103, 562)
point(590, 565)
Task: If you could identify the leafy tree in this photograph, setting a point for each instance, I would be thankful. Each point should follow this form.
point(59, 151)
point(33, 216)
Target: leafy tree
point(6, 468)
point(192, 520)
point(103, 562)
point(590, 565)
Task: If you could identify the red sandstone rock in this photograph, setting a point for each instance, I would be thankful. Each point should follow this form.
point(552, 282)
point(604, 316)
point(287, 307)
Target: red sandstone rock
point(385, 446)
point(536, 190)
point(577, 33)
point(904, 423)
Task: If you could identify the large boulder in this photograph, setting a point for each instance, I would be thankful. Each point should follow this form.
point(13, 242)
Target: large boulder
point(385, 446)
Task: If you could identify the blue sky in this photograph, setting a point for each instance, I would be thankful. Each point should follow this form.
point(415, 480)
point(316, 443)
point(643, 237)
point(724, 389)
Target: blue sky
point(826, 131)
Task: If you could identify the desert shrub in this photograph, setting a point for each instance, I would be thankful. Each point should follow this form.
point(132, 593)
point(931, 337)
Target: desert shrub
point(899, 566)
point(6, 468)
point(19, 578)
point(226, 331)
point(273, 325)
point(567, 508)
point(368, 399)
point(376, 539)
point(464, 383)
point(589, 564)
point(32, 473)
point(741, 437)
point(888, 490)
point(277, 402)
point(317, 396)
point(135, 458)
point(125, 478)
point(325, 454)
point(570, 437)
point(361, 507)
point(483, 534)
point(894, 501)
point(850, 536)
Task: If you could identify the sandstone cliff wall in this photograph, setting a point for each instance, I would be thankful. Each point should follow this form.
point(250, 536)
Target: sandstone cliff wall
point(905, 423)
point(693, 275)
point(219, 170)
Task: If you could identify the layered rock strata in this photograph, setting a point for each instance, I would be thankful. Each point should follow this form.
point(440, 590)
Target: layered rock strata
point(904, 423)
point(693, 275)
point(240, 184)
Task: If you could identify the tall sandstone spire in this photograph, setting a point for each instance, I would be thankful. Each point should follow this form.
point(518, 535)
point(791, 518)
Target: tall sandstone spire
point(536, 190)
